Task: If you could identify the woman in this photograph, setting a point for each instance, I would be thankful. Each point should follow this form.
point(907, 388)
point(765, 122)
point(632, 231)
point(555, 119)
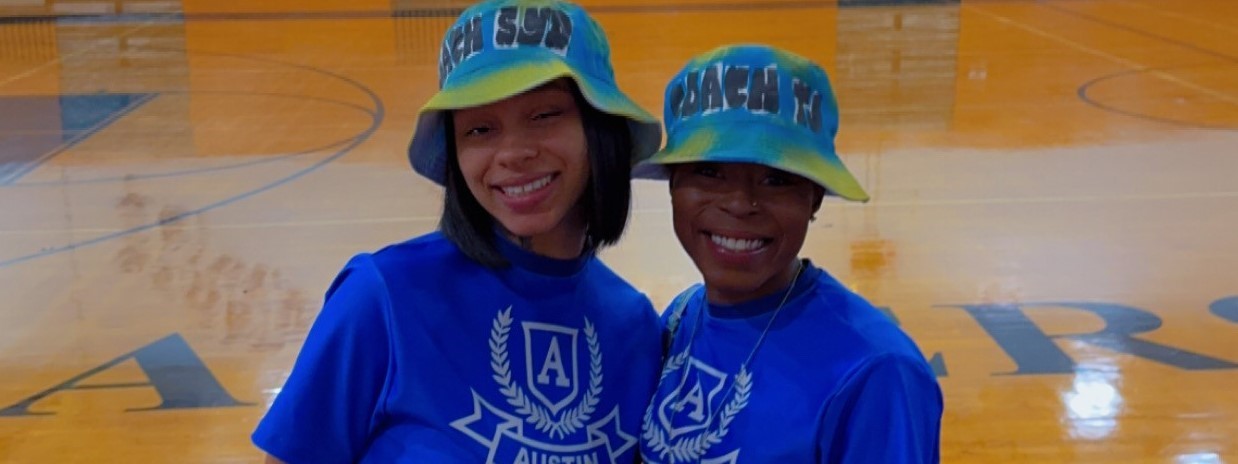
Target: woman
point(500, 337)
point(772, 360)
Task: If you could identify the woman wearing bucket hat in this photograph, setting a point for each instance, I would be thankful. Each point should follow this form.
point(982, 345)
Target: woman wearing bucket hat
point(772, 360)
point(501, 337)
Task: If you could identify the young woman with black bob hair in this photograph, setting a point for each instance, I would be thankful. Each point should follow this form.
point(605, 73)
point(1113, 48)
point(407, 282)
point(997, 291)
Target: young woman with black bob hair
point(502, 337)
point(606, 201)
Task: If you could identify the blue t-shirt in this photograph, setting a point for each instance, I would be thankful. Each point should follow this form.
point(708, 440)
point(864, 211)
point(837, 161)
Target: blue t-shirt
point(422, 355)
point(833, 381)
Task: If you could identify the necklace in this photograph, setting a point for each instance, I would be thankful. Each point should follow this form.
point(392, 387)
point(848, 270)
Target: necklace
point(743, 368)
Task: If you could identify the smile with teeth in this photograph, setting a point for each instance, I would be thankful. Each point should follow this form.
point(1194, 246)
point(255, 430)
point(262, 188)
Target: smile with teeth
point(526, 189)
point(738, 244)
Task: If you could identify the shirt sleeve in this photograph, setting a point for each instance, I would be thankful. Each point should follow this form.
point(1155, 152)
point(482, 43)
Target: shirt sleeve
point(888, 411)
point(331, 401)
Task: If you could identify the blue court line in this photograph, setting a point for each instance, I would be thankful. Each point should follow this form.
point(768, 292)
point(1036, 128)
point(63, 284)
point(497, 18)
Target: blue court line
point(16, 174)
point(379, 115)
point(345, 104)
point(185, 172)
point(1142, 32)
point(1082, 91)
point(1082, 94)
point(1226, 308)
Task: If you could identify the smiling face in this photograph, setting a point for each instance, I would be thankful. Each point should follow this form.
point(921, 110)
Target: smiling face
point(742, 224)
point(526, 161)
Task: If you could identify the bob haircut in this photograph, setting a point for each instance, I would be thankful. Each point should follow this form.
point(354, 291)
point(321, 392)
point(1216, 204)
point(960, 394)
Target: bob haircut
point(606, 199)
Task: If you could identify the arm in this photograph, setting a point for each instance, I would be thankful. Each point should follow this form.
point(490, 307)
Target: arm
point(328, 407)
point(888, 411)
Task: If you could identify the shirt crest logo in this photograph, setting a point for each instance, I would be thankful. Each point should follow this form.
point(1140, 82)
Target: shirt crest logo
point(550, 354)
point(551, 396)
point(692, 418)
point(692, 399)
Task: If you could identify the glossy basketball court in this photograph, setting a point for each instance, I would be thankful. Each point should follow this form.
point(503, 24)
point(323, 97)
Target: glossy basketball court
point(1055, 213)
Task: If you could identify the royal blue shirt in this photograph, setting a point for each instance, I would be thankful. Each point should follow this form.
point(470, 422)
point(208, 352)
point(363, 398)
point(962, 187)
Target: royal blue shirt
point(422, 355)
point(833, 381)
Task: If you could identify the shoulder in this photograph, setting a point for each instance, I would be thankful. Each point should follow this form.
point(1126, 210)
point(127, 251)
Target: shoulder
point(872, 385)
point(422, 257)
point(893, 370)
point(615, 291)
point(431, 249)
point(602, 277)
point(867, 332)
point(680, 306)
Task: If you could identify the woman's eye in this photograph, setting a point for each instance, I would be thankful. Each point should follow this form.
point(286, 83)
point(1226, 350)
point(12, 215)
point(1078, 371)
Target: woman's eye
point(778, 180)
point(707, 171)
point(479, 130)
point(547, 114)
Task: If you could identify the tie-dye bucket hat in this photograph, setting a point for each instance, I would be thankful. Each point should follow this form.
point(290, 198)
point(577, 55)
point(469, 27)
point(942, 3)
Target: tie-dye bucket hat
point(500, 48)
point(754, 104)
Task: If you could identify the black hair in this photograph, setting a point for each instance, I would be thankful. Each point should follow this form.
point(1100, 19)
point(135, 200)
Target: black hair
point(606, 200)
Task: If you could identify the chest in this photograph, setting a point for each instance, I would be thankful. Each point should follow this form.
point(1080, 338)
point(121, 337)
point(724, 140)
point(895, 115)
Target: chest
point(510, 378)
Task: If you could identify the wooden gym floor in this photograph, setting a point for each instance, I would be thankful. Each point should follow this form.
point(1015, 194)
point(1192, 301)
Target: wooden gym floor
point(1055, 214)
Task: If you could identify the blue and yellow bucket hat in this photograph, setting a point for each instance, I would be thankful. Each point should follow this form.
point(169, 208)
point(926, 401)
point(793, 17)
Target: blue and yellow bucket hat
point(500, 48)
point(754, 104)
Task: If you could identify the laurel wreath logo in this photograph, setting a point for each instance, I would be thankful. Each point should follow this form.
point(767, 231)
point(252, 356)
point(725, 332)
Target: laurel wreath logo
point(570, 420)
point(690, 449)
